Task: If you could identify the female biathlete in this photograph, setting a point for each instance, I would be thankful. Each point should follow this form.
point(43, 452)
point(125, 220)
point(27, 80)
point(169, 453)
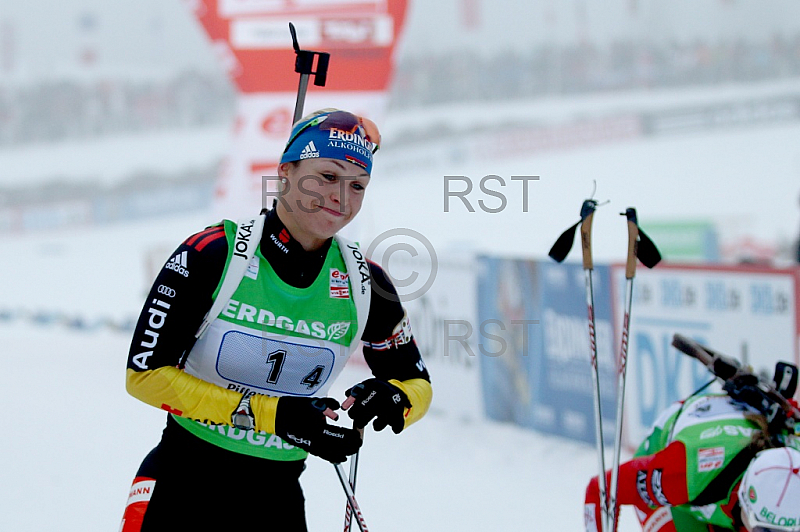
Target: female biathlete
point(241, 336)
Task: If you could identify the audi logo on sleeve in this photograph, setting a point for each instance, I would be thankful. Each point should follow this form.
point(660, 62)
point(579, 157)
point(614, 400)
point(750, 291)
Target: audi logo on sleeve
point(165, 290)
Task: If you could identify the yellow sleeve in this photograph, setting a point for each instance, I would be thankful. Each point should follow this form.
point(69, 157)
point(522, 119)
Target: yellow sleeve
point(175, 391)
point(420, 394)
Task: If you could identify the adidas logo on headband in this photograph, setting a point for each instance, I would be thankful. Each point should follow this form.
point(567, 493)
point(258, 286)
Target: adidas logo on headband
point(310, 151)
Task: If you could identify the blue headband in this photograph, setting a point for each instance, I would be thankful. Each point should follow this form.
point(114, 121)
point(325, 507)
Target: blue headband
point(341, 138)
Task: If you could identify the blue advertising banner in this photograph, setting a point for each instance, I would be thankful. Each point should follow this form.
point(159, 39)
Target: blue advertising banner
point(567, 383)
point(509, 348)
point(534, 350)
point(534, 343)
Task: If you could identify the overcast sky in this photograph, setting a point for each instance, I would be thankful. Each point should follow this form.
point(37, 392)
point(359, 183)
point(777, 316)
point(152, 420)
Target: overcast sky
point(43, 36)
point(147, 34)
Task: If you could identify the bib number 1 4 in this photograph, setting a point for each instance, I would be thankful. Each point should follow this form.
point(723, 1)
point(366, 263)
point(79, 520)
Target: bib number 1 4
point(274, 366)
point(276, 359)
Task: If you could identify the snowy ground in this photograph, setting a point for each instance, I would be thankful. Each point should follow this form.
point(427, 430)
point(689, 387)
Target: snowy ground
point(77, 439)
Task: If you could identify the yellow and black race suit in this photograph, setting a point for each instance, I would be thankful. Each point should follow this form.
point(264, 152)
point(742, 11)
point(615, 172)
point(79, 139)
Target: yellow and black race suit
point(185, 471)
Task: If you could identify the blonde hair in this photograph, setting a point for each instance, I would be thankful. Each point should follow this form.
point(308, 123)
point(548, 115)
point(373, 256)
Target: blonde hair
point(762, 438)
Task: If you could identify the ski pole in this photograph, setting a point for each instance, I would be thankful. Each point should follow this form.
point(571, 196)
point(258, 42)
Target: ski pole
point(641, 247)
point(348, 512)
point(587, 214)
point(304, 65)
point(559, 252)
point(351, 497)
point(630, 272)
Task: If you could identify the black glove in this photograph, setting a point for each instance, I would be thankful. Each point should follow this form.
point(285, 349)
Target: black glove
point(381, 400)
point(301, 422)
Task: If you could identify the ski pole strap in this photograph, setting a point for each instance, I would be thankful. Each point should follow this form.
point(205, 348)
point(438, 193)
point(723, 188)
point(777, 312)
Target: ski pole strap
point(639, 245)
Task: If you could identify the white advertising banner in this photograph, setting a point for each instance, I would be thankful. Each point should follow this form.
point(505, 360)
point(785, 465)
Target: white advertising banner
point(746, 312)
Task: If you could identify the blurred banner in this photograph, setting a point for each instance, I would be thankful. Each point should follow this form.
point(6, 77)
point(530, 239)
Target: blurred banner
point(534, 347)
point(695, 241)
point(252, 40)
point(750, 313)
point(441, 318)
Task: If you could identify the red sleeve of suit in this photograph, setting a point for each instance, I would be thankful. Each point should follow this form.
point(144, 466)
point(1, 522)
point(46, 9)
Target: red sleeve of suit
point(648, 483)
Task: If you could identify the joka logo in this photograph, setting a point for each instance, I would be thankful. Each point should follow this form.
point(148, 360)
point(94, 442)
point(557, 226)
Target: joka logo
point(178, 264)
point(363, 269)
point(310, 151)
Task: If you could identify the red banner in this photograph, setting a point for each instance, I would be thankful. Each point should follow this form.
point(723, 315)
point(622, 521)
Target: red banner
point(252, 40)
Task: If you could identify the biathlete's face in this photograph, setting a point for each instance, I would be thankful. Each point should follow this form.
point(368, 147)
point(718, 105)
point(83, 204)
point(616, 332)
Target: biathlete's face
point(319, 198)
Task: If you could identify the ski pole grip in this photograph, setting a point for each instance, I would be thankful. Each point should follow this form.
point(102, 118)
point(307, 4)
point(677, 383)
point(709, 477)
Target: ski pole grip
point(586, 241)
point(633, 237)
point(633, 242)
